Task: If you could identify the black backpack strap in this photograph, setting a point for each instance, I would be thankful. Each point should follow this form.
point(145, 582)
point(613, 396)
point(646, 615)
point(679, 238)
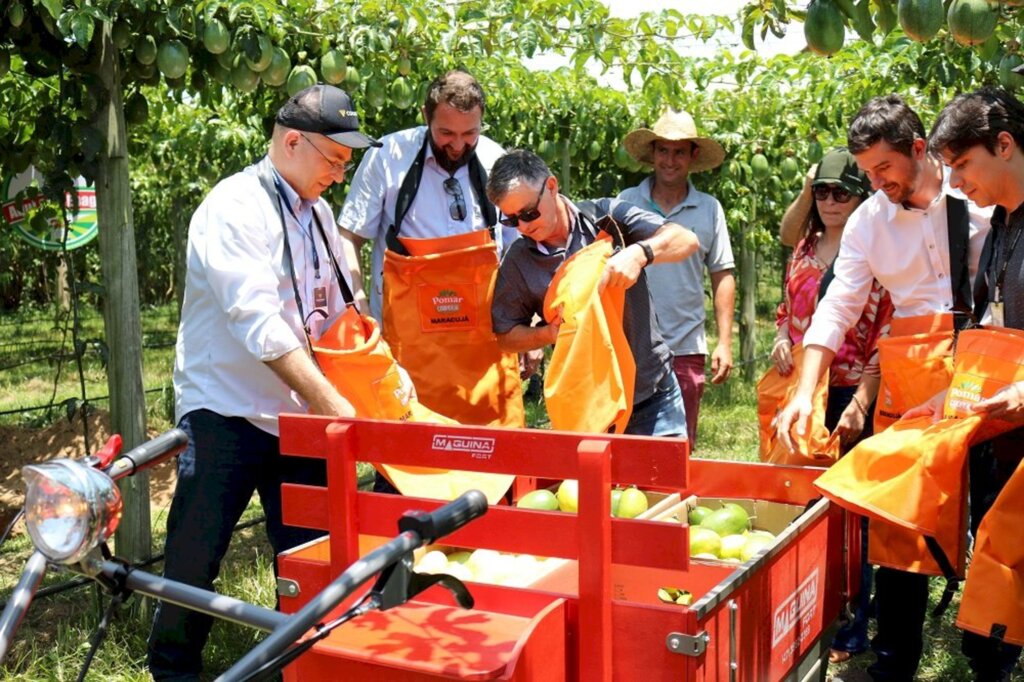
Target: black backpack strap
point(411, 185)
point(826, 278)
point(952, 581)
point(406, 193)
point(478, 181)
point(959, 228)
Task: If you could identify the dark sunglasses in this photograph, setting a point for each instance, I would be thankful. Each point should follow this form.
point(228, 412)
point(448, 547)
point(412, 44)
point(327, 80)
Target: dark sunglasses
point(527, 215)
point(839, 194)
point(457, 209)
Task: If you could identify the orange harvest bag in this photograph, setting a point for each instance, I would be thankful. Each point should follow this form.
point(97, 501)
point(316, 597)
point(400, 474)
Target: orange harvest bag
point(437, 320)
point(590, 380)
point(909, 480)
point(916, 362)
point(774, 391)
point(912, 474)
point(986, 361)
point(359, 364)
point(993, 600)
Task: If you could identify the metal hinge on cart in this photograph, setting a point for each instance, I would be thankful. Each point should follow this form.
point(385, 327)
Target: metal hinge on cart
point(687, 645)
point(287, 588)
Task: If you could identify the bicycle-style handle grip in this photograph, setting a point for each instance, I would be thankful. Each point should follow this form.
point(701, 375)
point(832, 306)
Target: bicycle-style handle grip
point(150, 453)
point(444, 520)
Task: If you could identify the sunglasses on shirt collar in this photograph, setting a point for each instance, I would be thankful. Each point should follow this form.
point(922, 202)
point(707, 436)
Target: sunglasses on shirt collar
point(457, 207)
point(526, 215)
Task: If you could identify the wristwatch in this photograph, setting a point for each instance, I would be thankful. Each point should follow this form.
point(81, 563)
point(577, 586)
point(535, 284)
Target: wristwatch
point(648, 251)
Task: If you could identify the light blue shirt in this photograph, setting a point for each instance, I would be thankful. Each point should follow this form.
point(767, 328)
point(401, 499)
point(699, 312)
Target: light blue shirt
point(678, 288)
point(239, 310)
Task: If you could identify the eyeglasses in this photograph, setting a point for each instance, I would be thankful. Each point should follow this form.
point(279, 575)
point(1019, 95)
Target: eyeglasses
point(526, 215)
point(344, 166)
point(840, 195)
point(456, 209)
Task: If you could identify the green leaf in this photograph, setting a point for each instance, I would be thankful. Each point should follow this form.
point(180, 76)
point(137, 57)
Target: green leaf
point(54, 7)
point(82, 25)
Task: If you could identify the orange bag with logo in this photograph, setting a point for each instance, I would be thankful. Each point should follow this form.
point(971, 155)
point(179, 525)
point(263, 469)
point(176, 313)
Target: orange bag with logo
point(359, 364)
point(915, 361)
point(774, 391)
point(437, 320)
point(590, 380)
point(986, 361)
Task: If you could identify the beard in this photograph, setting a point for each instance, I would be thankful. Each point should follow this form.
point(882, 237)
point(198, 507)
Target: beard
point(446, 162)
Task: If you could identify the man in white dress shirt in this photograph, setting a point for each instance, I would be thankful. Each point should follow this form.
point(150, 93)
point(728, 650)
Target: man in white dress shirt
point(263, 280)
point(901, 236)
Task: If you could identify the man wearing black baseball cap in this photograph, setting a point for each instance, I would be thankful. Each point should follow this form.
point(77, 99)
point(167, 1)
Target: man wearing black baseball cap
point(263, 280)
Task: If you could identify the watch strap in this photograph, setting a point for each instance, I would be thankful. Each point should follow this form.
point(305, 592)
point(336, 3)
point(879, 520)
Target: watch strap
point(648, 251)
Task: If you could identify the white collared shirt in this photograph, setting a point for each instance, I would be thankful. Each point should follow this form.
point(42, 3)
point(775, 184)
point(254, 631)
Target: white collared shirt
point(906, 250)
point(369, 208)
point(239, 309)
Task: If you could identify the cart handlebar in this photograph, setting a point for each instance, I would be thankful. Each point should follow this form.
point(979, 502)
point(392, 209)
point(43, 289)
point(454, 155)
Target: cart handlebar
point(149, 454)
point(436, 524)
point(445, 520)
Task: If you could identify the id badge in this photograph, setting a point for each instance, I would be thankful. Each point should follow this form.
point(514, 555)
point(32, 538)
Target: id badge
point(320, 297)
point(995, 313)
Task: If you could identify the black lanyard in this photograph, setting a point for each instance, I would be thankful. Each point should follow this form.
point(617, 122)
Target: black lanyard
point(269, 183)
point(1006, 259)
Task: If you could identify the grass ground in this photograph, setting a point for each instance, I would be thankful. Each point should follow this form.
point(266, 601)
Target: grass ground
point(53, 641)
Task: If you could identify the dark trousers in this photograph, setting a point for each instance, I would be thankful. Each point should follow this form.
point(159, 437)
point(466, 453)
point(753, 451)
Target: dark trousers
point(902, 598)
point(991, 465)
point(226, 461)
point(852, 636)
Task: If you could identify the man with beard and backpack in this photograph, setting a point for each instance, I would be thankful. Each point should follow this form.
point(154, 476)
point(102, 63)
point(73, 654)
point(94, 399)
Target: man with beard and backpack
point(421, 200)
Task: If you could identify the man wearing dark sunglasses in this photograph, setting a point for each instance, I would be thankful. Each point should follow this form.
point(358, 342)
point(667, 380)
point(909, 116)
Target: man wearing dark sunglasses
point(522, 186)
point(421, 200)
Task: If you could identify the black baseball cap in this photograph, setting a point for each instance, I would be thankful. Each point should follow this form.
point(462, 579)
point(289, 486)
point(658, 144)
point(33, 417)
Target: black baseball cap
point(327, 110)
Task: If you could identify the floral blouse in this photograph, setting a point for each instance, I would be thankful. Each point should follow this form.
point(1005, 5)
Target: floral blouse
point(859, 353)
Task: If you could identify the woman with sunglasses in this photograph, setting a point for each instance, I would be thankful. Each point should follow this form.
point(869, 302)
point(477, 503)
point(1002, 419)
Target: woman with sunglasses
point(836, 188)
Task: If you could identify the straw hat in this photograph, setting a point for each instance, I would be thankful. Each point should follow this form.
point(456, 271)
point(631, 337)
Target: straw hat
point(674, 126)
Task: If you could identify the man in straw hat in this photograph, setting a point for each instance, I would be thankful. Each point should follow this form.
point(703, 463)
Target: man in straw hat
point(675, 150)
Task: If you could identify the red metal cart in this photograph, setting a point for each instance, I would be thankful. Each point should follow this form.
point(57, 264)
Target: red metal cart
point(597, 617)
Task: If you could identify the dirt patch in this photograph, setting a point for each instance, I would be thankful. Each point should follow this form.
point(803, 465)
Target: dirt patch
point(64, 438)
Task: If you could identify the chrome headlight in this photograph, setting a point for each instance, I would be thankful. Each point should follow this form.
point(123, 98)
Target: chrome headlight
point(70, 508)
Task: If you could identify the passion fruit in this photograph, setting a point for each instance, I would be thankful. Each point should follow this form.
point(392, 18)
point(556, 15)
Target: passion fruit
point(972, 22)
point(216, 37)
point(333, 67)
point(920, 19)
point(823, 27)
point(172, 59)
point(145, 49)
point(276, 74)
point(300, 78)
